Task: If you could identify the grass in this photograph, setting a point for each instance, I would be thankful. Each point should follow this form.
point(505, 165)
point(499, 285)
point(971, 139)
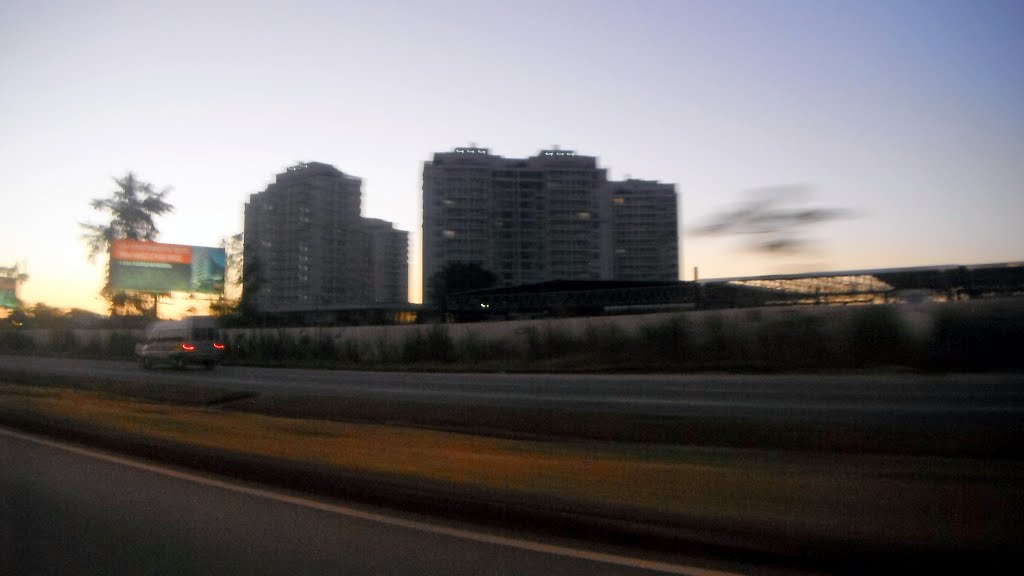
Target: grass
point(876, 499)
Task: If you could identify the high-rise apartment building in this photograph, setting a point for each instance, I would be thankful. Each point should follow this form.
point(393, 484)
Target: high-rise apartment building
point(552, 216)
point(644, 237)
point(388, 250)
point(307, 244)
point(526, 220)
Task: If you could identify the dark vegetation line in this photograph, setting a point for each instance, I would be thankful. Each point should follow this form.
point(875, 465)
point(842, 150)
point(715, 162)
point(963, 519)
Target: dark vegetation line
point(948, 337)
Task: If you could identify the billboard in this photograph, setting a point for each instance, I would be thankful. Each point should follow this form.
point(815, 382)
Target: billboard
point(153, 267)
point(8, 292)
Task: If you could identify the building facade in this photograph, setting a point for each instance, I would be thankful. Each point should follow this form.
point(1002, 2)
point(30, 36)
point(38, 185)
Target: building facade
point(644, 232)
point(525, 220)
point(307, 244)
point(548, 217)
point(388, 251)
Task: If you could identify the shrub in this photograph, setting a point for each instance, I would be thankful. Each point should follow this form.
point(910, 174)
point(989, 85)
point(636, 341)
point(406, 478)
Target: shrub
point(387, 353)
point(273, 347)
point(121, 345)
point(475, 349)
point(667, 339)
point(16, 341)
point(302, 349)
point(559, 342)
point(94, 347)
point(877, 337)
point(236, 348)
point(722, 344)
point(326, 352)
point(61, 341)
point(434, 345)
point(976, 339)
point(794, 341)
point(414, 346)
point(440, 347)
point(608, 341)
point(350, 351)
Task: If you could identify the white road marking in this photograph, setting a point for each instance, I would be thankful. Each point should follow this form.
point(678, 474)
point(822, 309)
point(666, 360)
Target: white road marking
point(662, 567)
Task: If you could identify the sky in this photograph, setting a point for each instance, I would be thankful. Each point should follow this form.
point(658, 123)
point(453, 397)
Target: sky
point(906, 115)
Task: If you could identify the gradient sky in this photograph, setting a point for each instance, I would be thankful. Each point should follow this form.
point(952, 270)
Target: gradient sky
point(908, 113)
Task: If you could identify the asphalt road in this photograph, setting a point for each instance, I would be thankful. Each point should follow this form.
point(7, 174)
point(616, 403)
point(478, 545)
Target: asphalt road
point(653, 394)
point(975, 417)
point(980, 415)
point(68, 510)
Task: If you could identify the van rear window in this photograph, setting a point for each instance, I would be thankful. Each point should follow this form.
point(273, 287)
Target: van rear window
point(204, 333)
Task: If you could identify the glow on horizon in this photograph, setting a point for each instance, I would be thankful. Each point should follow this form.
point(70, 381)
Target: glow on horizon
point(906, 113)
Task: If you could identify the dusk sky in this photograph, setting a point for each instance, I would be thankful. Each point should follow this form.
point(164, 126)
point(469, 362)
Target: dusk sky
point(907, 114)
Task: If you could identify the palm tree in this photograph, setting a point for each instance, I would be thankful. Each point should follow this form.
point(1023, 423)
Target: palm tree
point(132, 208)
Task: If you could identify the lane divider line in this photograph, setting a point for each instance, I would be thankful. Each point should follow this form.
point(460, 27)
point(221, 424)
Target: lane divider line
point(531, 546)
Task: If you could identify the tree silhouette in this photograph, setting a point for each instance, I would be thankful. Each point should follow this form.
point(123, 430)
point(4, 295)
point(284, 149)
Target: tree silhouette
point(132, 208)
point(252, 281)
point(458, 277)
point(44, 316)
point(242, 274)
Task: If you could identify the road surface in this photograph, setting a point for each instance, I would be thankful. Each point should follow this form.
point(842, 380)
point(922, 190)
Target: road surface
point(69, 510)
point(979, 415)
point(973, 418)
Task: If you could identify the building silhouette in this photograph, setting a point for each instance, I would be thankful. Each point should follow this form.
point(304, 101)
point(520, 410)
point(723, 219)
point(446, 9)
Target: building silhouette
point(644, 234)
point(388, 250)
point(553, 216)
point(310, 249)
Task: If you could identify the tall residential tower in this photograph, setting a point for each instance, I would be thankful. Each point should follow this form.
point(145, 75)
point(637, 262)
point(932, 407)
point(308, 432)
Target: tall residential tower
point(309, 248)
point(388, 250)
point(644, 235)
point(553, 216)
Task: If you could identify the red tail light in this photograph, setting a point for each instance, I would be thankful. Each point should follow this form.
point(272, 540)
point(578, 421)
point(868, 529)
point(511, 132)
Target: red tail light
point(218, 345)
point(188, 347)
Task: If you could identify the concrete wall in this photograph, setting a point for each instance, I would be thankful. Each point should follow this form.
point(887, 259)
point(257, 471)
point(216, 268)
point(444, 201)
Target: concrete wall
point(917, 317)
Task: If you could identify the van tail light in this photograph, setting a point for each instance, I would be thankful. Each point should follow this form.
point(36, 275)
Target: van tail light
point(218, 345)
point(188, 347)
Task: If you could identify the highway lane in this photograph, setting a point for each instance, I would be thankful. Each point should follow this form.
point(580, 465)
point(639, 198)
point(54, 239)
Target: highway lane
point(69, 510)
point(976, 416)
point(651, 394)
point(979, 415)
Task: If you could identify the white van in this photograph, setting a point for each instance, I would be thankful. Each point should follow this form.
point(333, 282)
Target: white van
point(178, 343)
